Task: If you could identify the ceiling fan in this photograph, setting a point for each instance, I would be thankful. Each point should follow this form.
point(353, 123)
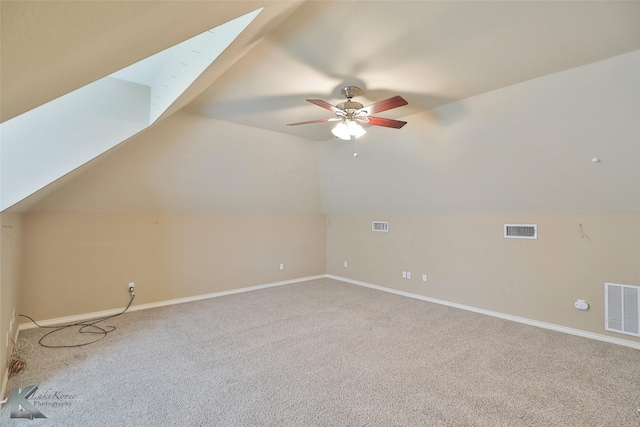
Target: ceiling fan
point(351, 114)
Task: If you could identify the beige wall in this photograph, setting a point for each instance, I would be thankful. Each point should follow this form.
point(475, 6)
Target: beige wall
point(10, 248)
point(189, 163)
point(467, 261)
point(78, 263)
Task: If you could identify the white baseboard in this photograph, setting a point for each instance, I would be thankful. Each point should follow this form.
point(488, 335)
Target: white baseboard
point(106, 313)
point(551, 326)
point(5, 378)
point(524, 320)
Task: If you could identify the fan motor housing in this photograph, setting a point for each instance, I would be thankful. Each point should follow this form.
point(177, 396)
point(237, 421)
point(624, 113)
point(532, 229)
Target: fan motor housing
point(349, 105)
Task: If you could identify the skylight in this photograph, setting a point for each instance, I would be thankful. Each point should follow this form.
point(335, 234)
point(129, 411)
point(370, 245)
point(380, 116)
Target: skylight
point(45, 143)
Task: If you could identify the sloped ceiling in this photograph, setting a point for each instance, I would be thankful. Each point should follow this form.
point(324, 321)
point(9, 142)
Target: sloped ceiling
point(455, 62)
point(50, 48)
point(431, 53)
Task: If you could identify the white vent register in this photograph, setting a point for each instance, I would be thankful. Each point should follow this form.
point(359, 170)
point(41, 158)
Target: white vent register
point(380, 226)
point(621, 308)
point(521, 231)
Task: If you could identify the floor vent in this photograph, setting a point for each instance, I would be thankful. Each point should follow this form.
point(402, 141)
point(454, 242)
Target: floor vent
point(521, 231)
point(622, 309)
point(380, 226)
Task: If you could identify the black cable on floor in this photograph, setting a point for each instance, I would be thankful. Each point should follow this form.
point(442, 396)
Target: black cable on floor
point(85, 328)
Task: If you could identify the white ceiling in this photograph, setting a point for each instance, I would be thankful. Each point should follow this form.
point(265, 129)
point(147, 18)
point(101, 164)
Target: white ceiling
point(431, 53)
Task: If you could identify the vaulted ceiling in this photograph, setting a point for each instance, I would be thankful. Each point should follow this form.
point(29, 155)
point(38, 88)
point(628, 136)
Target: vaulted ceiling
point(487, 84)
point(431, 53)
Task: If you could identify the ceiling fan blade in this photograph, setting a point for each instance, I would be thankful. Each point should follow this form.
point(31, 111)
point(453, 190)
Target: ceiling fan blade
point(379, 121)
point(324, 104)
point(332, 119)
point(387, 104)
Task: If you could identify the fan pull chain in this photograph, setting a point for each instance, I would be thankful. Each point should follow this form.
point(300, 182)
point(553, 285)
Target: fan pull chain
point(355, 152)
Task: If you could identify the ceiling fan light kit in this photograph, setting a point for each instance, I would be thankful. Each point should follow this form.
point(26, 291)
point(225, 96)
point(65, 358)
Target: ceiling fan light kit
point(346, 130)
point(351, 114)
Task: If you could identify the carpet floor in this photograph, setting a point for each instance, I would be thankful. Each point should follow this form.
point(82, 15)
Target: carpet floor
point(323, 353)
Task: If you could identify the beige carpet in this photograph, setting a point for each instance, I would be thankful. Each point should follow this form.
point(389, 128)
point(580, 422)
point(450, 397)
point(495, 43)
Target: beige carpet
point(329, 353)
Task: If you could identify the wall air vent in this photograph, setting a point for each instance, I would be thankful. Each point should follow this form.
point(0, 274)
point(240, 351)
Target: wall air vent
point(521, 231)
point(380, 226)
point(621, 308)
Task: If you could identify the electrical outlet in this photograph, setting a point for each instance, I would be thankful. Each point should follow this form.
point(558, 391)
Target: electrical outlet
point(345, 263)
point(132, 286)
point(404, 274)
point(281, 266)
point(408, 275)
point(424, 277)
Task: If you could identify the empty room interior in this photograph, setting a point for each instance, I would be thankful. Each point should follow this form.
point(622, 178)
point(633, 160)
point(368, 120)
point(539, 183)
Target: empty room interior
point(321, 212)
